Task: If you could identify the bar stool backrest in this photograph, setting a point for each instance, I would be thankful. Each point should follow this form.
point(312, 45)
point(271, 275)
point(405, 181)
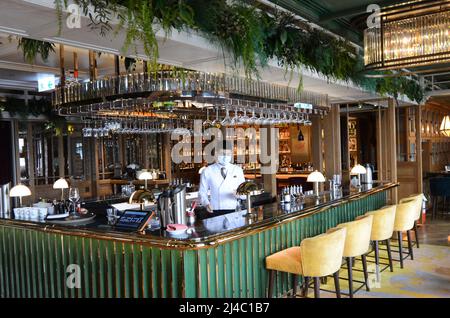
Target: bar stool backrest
point(440, 187)
point(357, 241)
point(322, 255)
point(405, 214)
point(383, 223)
point(418, 201)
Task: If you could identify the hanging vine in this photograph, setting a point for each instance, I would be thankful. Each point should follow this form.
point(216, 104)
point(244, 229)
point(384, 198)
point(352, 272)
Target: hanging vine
point(31, 48)
point(251, 36)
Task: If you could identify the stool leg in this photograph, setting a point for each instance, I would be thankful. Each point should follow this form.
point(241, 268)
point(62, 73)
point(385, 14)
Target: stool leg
point(416, 234)
point(408, 233)
point(388, 244)
point(316, 287)
point(271, 279)
point(400, 249)
point(366, 275)
point(336, 284)
point(306, 287)
point(350, 276)
point(377, 257)
point(445, 203)
point(433, 211)
point(294, 287)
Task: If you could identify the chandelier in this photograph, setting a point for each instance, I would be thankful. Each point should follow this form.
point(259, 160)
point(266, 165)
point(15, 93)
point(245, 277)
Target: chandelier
point(445, 126)
point(409, 35)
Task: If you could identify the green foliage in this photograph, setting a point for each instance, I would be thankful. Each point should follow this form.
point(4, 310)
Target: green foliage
point(236, 27)
point(35, 107)
point(31, 48)
point(250, 35)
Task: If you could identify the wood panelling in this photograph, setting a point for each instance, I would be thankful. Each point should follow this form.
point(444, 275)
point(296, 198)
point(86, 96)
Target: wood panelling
point(407, 177)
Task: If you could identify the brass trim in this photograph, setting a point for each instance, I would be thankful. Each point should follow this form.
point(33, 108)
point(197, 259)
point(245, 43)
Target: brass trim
point(207, 242)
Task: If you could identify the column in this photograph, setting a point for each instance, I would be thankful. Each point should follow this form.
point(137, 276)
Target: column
point(332, 141)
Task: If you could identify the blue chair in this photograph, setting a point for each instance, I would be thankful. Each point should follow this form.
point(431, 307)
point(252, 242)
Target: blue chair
point(439, 188)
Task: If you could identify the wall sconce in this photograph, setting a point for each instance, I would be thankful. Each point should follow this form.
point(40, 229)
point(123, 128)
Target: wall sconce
point(316, 177)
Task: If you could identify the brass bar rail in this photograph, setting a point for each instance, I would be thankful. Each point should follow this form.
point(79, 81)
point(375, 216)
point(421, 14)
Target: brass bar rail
point(192, 243)
point(39, 261)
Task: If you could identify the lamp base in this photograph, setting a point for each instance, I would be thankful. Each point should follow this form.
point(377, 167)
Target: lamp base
point(316, 189)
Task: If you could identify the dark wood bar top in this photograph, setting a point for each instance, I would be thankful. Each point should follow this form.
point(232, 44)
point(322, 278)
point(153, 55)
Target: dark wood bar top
point(211, 231)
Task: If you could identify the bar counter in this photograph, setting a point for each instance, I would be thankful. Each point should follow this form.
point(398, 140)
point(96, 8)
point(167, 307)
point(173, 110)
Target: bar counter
point(221, 257)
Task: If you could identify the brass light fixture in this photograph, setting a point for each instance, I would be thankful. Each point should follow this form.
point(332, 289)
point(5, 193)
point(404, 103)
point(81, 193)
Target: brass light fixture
point(445, 126)
point(409, 35)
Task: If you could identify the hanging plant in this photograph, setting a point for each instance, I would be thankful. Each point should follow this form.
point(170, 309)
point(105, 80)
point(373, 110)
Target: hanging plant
point(35, 107)
point(138, 17)
point(236, 27)
point(31, 48)
point(251, 36)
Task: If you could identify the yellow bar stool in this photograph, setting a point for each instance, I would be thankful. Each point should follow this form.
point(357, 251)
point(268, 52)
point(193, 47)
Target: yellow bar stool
point(382, 231)
point(316, 257)
point(418, 202)
point(405, 214)
point(357, 244)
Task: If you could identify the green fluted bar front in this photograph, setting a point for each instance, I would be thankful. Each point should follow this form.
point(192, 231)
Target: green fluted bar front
point(35, 263)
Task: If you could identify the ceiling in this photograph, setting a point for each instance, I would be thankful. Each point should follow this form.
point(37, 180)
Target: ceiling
point(346, 18)
point(441, 102)
point(37, 19)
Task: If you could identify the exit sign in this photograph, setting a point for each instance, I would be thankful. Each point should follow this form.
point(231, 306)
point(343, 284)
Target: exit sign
point(46, 83)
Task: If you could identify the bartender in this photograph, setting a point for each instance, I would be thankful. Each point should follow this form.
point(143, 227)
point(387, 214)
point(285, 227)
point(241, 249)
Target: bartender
point(221, 180)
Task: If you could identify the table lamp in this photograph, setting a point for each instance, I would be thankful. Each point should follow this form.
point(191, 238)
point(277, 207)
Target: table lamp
point(20, 191)
point(145, 175)
point(358, 170)
point(62, 184)
point(316, 177)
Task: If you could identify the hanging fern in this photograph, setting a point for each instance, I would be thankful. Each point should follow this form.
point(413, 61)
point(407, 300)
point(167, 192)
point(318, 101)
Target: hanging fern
point(251, 36)
point(31, 48)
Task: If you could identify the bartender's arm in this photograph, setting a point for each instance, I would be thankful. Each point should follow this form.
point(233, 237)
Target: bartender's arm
point(240, 179)
point(203, 192)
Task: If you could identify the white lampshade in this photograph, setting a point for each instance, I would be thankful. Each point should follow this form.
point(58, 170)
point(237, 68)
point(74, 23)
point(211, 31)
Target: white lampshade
point(315, 176)
point(145, 175)
point(61, 183)
point(20, 190)
point(358, 169)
